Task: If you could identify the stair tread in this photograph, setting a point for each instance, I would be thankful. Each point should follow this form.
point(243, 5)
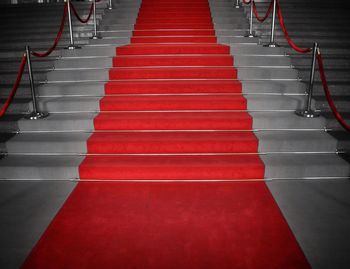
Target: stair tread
point(172, 72)
point(173, 86)
point(157, 49)
point(171, 167)
point(173, 120)
point(172, 142)
point(183, 60)
point(177, 102)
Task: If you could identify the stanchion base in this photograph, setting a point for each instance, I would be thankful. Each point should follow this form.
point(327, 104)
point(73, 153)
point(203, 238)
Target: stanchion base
point(237, 6)
point(307, 113)
point(110, 8)
point(94, 37)
point(36, 115)
point(250, 35)
point(72, 47)
point(272, 45)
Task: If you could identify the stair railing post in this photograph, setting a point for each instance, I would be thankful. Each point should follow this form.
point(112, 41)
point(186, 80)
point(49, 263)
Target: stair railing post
point(110, 6)
point(95, 35)
point(71, 46)
point(308, 112)
point(237, 4)
point(272, 43)
point(35, 114)
point(251, 34)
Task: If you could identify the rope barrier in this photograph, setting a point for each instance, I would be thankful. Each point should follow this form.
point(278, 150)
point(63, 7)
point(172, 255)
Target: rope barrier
point(247, 2)
point(77, 15)
point(262, 19)
point(289, 40)
point(12, 94)
point(58, 37)
point(329, 98)
point(15, 86)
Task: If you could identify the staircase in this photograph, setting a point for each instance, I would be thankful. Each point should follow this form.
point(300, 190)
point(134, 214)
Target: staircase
point(326, 24)
point(187, 102)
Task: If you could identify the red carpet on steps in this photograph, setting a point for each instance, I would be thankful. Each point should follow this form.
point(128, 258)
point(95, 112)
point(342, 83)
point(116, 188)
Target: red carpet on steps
point(168, 226)
point(173, 111)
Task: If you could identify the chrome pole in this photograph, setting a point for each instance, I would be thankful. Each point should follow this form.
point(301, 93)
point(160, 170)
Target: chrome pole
point(237, 4)
point(95, 35)
point(308, 112)
point(272, 43)
point(71, 46)
point(35, 113)
point(110, 6)
point(251, 34)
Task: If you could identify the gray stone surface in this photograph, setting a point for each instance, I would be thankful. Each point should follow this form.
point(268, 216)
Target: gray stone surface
point(26, 209)
point(318, 212)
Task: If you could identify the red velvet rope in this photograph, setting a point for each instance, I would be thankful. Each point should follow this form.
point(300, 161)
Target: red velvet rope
point(58, 37)
point(15, 86)
point(77, 15)
point(247, 2)
point(290, 41)
point(266, 15)
point(328, 94)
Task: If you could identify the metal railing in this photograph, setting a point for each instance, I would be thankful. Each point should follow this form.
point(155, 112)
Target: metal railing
point(308, 111)
point(26, 59)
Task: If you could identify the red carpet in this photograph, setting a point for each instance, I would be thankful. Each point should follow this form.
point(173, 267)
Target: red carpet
point(162, 225)
point(173, 110)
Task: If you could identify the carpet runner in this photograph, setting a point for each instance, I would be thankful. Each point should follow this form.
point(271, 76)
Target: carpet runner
point(177, 115)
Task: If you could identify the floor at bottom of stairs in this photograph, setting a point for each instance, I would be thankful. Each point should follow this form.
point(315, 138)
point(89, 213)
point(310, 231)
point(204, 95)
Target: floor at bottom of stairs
point(26, 209)
point(318, 212)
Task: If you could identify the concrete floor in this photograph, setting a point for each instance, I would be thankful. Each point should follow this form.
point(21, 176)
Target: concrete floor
point(317, 211)
point(26, 209)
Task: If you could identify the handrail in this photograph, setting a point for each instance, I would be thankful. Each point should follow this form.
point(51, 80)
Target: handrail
point(316, 56)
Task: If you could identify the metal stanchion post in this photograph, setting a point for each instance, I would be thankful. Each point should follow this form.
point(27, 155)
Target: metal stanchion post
point(308, 112)
point(237, 4)
point(95, 35)
point(110, 6)
point(251, 34)
point(35, 113)
point(272, 43)
point(71, 46)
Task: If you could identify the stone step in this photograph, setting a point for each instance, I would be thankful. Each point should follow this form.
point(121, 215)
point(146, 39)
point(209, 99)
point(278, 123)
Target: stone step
point(270, 141)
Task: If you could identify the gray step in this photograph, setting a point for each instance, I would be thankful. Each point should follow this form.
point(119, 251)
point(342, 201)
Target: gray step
point(252, 49)
point(236, 40)
point(298, 141)
point(78, 74)
point(69, 104)
point(286, 120)
point(91, 104)
point(268, 102)
point(267, 73)
point(93, 62)
point(337, 88)
point(75, 88)
point(335, 74)
point(55, 122)
point(269, 141)
point(40, 167)
point(48, 143)
point(275, 86)
point(299, 166)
